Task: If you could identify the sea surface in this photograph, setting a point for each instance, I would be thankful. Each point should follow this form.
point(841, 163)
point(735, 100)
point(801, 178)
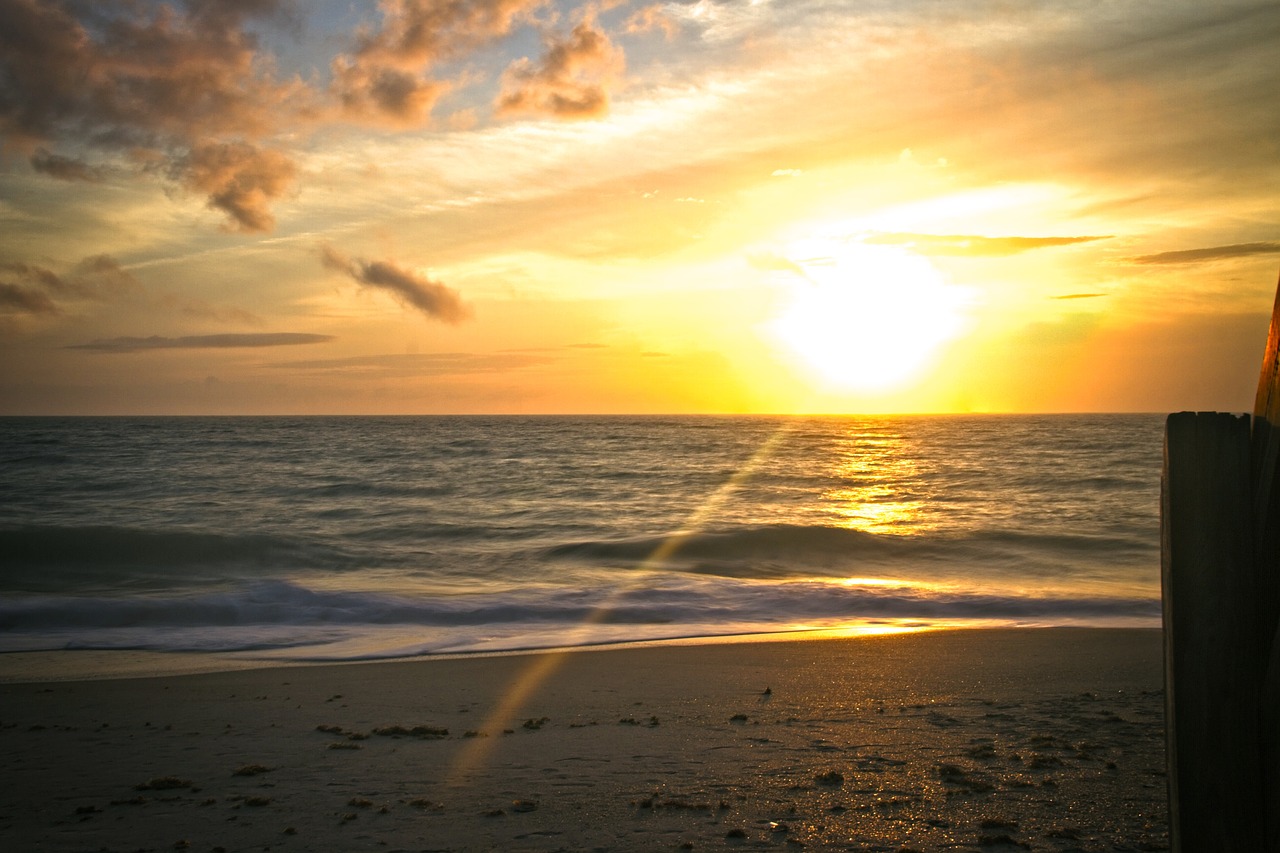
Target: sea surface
point(350, 538)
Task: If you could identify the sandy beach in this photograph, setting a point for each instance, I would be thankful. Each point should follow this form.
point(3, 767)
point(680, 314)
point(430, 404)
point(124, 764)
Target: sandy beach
point(994, 740)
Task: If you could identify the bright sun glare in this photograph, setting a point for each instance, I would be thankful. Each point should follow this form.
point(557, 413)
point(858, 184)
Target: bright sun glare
point(864, 317)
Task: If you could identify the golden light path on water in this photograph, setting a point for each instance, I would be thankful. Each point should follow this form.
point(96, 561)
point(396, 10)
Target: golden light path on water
point(866, 510)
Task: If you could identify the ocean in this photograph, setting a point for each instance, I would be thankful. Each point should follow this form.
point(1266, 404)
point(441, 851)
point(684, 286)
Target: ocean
point(283, 539)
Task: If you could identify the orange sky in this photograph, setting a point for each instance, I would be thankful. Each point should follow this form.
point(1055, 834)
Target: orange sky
point(716, 206)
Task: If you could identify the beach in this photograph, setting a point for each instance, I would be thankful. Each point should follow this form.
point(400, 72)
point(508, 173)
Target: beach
point(1002, 739)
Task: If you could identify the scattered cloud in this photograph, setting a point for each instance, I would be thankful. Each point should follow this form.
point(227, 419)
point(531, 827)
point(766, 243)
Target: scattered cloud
point(570, 81)
point(385, 78)
point(968, 244)
point(230, 341)
point(1079, 296)
point(185, 87)
point(1211, 253)
point(430, 297)
point(787, 173)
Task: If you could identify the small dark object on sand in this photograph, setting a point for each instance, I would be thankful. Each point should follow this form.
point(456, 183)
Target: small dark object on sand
point(252, 770)
point(163, 783)
point(830, 779)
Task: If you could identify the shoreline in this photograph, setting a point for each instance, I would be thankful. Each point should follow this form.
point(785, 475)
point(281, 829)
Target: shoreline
point(61, 665)
point(1001, 739)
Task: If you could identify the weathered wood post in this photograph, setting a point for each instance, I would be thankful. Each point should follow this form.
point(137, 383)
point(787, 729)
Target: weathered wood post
point(1266, 515)
point(1220, 556)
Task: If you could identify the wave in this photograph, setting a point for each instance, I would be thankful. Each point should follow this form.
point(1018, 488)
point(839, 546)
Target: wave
point(786, 549)
point(293, 614)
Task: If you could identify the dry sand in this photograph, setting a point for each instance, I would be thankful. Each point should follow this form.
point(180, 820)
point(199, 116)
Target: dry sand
point(992, 740)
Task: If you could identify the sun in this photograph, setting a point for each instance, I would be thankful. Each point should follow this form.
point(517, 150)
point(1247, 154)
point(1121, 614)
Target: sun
point(864, 317)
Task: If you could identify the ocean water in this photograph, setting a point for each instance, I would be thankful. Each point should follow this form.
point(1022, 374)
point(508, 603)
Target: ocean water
point(307, 539)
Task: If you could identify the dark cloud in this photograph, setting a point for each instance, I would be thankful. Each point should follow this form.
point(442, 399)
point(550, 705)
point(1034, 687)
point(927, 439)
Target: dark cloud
point(64, 168)
point(1211, 253)
point(231, 341)
point(570, 81)
point(430, 297)
point(24, 300)
point(174, 87)
point(970, 244)
point(96, 277)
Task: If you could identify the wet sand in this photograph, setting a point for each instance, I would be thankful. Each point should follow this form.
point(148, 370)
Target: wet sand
point(991, 740)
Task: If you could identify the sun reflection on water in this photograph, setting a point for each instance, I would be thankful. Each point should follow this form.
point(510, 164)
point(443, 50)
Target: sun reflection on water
point(879, 489)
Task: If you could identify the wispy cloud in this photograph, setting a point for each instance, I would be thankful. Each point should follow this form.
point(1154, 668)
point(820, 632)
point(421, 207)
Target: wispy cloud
point(1210, 253)
point(1079, 296)
point(229, 341)
point(423, 364)
point(430, 297)
point(39, 290)
point(971, 244)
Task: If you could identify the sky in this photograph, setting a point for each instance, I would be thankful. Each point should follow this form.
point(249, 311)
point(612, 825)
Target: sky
point(702, 206)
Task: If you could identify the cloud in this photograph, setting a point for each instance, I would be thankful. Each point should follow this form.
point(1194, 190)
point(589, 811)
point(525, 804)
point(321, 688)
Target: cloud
point(152, 84)
point(652, 18)
point(1211, 253)
point(424, 364)
point(968, 244)
point(240, 179)
point(773, 262)
point(230, 341)
point(385, 77)
point(96, 277)
point(430, 297)
point(1079, 296)
point(24, 300)
point(64, 168)
point(571, 81)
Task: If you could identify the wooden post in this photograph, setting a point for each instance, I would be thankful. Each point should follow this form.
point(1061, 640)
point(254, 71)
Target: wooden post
point(1220, 555)
point(1266, 514)
point(1210, 595)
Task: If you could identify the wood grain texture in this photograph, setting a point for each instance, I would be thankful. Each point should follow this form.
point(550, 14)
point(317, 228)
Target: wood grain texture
point(1212, 661)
